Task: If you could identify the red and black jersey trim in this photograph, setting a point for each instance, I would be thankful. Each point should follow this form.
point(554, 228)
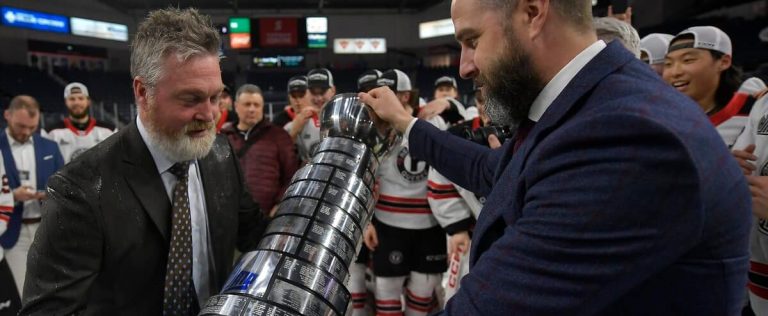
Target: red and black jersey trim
point(395, 204)
point(740, 105)
point(758, 279)
point(418, 303)
point(388, 307)
point(439, 191)
point(358, 300)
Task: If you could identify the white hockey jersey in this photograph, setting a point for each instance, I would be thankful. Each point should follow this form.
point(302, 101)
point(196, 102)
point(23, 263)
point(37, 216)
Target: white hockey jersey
point(308, 139)
point(74, 141)
point(407, 197)
point(756, 132)
point(6, 202)
point(732, 118)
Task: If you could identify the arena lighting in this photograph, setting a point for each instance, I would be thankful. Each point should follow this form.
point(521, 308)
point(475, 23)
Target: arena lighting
point(436, 28)
point(360, 45)
point(34, 20)
point(317, 25)
point(99, 29)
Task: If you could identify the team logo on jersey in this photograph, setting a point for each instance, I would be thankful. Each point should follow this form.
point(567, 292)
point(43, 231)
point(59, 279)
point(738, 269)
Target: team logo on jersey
point(411, 169)
point(763, 226)
point(762, 127)
point(395, 257)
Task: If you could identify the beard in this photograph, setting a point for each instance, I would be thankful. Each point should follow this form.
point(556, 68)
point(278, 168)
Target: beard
point(511, 86)
point(80, 115)
point(177, 145)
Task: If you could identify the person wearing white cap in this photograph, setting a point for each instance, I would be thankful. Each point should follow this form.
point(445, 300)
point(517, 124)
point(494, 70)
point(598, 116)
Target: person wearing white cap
point(410, 222)
point(699, 63)
point(79, 131)
point(653, 48)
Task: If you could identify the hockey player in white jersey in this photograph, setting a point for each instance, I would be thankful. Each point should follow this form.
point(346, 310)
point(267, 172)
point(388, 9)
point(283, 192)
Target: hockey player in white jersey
point(305, 127)
point(751, 151)
point(407, 236)
point(10, 303)
point(79, 131)
point(699, 64)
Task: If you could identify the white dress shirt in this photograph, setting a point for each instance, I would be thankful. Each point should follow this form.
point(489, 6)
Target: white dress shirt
point(201, 243)
point(555, 86)
point(24, 157)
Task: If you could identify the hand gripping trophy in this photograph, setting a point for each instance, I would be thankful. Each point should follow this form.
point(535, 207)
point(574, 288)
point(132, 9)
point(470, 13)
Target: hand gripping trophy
point(302, 263)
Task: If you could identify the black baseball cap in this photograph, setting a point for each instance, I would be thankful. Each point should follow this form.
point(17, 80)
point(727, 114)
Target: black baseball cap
point(297, 84)
point(396, 80)
point(319, 78)
point(368, 80)
point(446, 80)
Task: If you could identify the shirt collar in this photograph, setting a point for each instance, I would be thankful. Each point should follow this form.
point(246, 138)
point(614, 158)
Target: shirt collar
point(558, 83)
point(14, 142)
point(161, 160)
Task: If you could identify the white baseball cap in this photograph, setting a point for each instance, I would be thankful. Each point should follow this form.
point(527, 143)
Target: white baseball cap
point(705, 37)
point(74, 88)
point(655, 46)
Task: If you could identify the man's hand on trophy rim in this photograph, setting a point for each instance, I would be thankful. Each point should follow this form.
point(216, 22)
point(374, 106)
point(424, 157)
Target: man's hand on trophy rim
point(388, 107)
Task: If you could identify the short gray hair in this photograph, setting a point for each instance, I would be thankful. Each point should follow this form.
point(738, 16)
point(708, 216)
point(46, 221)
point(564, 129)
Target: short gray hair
point(186, 33)
point(247, 88)
point(609, 29)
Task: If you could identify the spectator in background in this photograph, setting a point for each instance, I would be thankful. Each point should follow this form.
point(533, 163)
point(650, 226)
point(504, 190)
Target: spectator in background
point(79, 131)
point(609, 29)
point(305, 127)
point(29, 160)
point(368, 80)
point(265, 151)
point(653, 48)
point(445, 103)
point(699, 64)
point(225, 108)
point(298, 98)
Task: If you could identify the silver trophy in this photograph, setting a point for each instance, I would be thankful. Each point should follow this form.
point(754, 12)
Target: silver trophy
point(302, 263)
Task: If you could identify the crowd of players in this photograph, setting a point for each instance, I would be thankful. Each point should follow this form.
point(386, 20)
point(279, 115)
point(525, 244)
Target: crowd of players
point(422, 221)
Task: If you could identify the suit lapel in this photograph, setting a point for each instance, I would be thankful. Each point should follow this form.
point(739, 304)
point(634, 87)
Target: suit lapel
point(143, 178)
point(504, 197)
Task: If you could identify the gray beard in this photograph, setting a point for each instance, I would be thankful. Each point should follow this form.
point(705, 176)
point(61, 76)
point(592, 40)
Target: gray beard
point(178, 146)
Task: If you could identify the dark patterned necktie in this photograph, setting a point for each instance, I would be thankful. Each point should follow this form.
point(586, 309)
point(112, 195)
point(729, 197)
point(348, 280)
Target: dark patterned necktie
point(179, 289)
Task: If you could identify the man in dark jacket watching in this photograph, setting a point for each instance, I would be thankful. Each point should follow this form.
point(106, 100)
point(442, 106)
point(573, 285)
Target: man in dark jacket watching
point(265, 151)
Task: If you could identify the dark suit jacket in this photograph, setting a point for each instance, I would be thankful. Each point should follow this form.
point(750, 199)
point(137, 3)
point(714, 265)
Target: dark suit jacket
point(102, 245)
point(622, 200)
point(48, 160)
